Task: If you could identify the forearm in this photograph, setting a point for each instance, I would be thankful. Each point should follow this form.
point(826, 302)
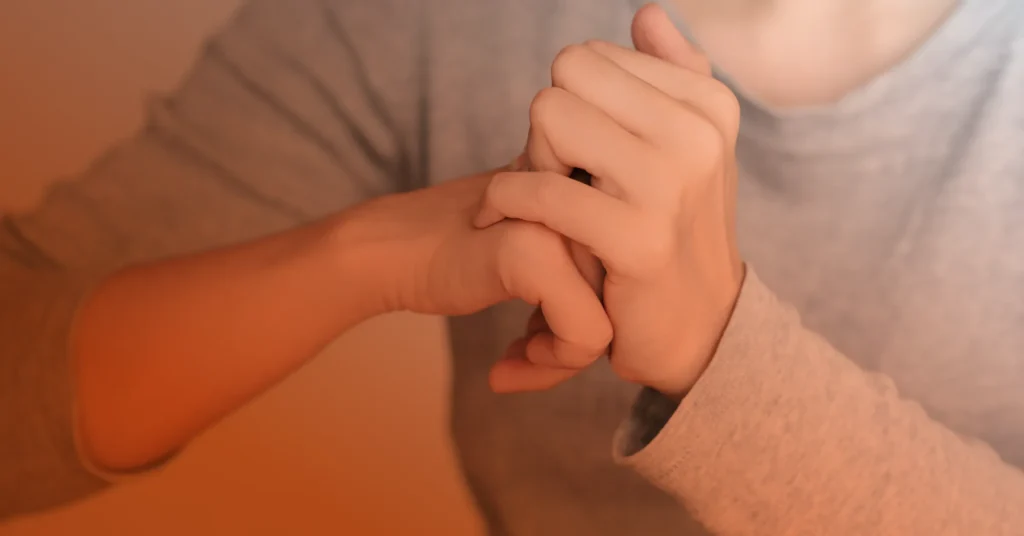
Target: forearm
point(162, 351)
point(783, 434)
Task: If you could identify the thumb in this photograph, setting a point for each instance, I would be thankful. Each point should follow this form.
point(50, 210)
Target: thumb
point(655, 34)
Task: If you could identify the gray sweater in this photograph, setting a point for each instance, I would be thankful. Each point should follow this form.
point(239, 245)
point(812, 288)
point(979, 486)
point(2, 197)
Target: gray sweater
point(870, 381)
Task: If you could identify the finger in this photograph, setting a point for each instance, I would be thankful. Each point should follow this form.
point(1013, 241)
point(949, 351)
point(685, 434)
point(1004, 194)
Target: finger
point(597, 221)
point(535, 266)
point(640, 108)
point(654, 33)
point(514, 373)
point(544, 348)
point(520, 163)
point(536, 323)
point(710, 97)
point(589, 265)
point(567, 132)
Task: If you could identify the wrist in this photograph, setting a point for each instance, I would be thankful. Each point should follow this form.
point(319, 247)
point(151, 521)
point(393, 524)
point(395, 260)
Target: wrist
point(693, 355)
point(360, 262)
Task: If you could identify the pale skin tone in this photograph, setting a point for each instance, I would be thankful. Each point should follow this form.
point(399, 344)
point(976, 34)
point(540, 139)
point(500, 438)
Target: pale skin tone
point(162, 351)
point(792, 53)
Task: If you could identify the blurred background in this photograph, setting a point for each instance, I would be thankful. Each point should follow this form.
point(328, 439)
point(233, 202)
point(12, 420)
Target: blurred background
point(355, 443)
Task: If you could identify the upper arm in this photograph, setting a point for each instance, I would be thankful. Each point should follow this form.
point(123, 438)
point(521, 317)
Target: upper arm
point(294, 110)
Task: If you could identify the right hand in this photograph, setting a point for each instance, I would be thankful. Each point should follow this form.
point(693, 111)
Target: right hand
point(424, 255)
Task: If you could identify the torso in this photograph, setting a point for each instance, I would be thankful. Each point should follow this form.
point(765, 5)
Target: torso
point(897, 230)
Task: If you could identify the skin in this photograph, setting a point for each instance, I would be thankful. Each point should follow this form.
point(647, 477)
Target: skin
point(661, 218)
point(795, 53)
point(164, 350)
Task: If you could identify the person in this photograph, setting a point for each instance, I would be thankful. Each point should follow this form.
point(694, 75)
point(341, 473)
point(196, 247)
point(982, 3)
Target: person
point(297, 183)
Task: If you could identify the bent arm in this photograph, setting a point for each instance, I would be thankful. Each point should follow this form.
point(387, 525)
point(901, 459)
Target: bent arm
point(163, 350)
point(281, 122)
point(784, 435)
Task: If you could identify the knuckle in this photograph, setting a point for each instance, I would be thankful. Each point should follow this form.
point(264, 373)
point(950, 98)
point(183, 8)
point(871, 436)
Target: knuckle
point(547, 192)
point(716, 149)
point(497, 193)
point(682, 119)
point(710, 140)
point(701, 148)
point(701, 63)
point(493, 193)
point(725, 105)
point(603, 337)
point(706, 149)
point(707, 128)
point(576, 355)
point(523, 244)
point(598, 45)
point(544, 103)
point(566, 63)
point(527, 197)
point(626, 370)
point(590, 345)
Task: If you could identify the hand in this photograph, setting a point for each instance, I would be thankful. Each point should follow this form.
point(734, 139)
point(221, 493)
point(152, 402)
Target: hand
point(423, 254)
point(657, 133)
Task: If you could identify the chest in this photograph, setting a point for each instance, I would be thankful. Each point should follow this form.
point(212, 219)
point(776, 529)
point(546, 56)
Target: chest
point(908, 256)
point(910, 260)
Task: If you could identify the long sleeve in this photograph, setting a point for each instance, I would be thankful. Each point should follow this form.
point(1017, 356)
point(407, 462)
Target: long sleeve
point(784, 435)
point(293, 111)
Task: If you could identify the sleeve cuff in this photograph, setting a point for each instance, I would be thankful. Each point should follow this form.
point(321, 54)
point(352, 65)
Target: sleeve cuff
point(704, 443)
point(783, 434)
point(654, 417)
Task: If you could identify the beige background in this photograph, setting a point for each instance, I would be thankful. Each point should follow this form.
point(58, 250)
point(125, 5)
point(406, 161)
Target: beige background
point(355, 443)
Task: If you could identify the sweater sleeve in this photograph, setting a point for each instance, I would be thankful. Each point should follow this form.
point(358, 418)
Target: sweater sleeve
point(784, 435)
point(281, 108)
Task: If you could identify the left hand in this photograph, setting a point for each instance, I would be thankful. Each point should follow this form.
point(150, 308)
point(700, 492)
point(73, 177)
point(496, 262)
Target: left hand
point(657, 133)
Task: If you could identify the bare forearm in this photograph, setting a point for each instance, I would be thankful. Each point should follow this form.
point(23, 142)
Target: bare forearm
point(164, 350)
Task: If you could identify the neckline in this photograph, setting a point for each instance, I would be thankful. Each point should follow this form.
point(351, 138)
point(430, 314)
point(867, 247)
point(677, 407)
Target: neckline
point(810, 126)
